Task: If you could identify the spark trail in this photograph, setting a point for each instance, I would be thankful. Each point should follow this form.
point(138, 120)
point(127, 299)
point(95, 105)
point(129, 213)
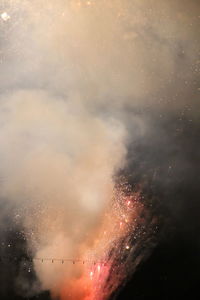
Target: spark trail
point(124, 238)
point(82, 83)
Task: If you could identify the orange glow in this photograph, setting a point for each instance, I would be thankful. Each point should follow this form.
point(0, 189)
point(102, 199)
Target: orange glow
point(106, 257)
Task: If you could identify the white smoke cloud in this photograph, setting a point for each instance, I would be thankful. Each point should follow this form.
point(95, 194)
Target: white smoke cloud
point(57, 166)
point(124, 52)
point(62, 63)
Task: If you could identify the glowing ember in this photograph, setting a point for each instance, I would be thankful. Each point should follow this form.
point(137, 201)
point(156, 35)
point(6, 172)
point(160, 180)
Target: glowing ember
point(99, 268)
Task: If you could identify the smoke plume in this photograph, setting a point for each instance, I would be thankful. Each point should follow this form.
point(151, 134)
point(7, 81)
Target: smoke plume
point(90, 90)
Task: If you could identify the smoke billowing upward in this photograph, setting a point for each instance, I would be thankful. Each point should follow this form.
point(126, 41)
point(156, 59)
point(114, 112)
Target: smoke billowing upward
point(90, 90)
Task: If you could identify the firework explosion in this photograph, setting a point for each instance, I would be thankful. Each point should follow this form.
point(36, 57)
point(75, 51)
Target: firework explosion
point(125, 243)
point(88, 79)
point(122, 241)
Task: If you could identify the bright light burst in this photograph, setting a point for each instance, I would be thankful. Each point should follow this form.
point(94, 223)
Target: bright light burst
point(5, 16)
point(124, 239)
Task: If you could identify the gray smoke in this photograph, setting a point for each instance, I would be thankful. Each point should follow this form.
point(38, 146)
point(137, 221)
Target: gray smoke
point(89, 88)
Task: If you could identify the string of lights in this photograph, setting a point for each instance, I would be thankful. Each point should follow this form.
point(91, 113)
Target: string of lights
point(50, 259)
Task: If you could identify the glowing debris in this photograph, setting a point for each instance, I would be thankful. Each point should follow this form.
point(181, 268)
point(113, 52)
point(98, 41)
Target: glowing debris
point(5, 16)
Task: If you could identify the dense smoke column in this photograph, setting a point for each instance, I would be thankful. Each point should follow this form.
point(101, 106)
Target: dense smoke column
point(124, 74)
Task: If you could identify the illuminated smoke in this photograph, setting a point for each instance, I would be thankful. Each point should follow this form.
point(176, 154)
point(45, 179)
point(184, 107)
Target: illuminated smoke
point(123, 240)
point(75, 76)
point(57, 166)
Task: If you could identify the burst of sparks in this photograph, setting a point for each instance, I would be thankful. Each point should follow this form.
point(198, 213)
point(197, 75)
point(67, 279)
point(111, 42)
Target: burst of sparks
point(117, 249)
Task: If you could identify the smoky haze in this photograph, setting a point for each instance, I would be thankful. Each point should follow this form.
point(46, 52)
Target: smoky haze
point(87, 89)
